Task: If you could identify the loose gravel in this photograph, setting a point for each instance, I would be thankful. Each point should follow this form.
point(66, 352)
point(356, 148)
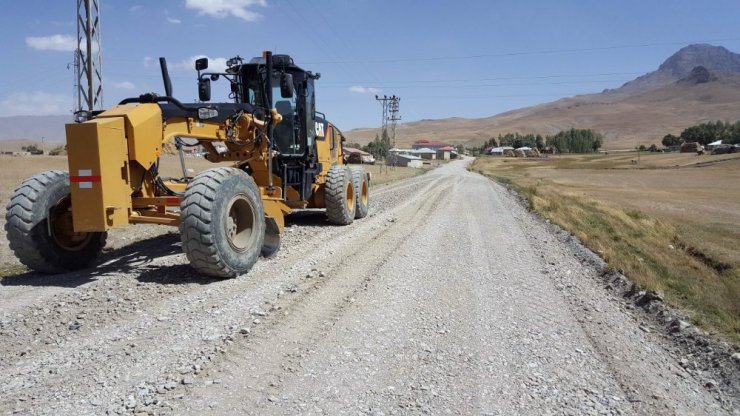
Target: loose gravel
point(449, 298)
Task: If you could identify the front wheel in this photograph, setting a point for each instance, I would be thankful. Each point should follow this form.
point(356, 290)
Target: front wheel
point(39, 226)
point(222, 222)
point(361, 181)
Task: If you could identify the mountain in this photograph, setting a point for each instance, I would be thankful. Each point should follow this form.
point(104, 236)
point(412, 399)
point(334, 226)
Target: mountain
point(716, 59)
point(696, 84)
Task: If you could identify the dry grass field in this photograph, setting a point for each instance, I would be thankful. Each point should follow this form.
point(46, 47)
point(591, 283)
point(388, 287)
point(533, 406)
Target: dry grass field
point(670, 222)
point(15, 169)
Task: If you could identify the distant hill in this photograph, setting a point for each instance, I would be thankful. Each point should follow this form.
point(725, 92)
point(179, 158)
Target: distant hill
point(51, 128)
point(696, 84)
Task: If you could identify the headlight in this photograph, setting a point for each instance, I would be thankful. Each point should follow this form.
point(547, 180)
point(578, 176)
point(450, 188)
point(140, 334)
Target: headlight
point(205, 113)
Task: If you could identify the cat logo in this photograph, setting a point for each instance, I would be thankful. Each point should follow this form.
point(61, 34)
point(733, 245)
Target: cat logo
point(319, 129)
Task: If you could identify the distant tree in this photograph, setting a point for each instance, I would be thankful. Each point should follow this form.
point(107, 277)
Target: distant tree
point(58, 150)
point(539, 142)
point(671, 140)
point(355, 145)
point(506, 140)
point(32, 149)
point(712, 131)
point(642, 148)
point(379, 147)
point(652, 148)
point(597, 142)
point(575, 141)
point(460, 149)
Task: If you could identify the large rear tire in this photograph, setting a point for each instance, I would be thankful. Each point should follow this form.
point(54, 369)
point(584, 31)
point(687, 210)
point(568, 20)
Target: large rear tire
point(222, 222)
point(361, 182)
point(39, 226)
point(340, 196)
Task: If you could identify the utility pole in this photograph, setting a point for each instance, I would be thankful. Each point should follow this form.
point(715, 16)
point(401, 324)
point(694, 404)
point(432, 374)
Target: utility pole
point(88, 60)
point(393, 117)
point(390, 113)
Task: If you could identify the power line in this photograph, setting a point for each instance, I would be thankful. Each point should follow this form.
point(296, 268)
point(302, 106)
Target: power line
point(518, 53)
point(527, 84)
point(423, 81)
point(470, 97)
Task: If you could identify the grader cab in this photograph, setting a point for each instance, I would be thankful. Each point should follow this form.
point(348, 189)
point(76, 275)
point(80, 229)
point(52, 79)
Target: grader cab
point(285, 157)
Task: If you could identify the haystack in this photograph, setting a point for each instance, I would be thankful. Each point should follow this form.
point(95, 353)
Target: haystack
point(532, 153)
point(508, 153)
point(519, 153)
point(690, 147)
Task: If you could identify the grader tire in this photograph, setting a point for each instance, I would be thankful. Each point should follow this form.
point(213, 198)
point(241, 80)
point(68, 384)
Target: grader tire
point(340, 196)
point(38, 223)
point(222, 222)
point(361, 182)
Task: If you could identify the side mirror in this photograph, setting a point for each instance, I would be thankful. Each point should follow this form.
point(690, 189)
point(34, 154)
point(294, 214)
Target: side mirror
point(201, 64)
point(286, 86)
point(204, 89)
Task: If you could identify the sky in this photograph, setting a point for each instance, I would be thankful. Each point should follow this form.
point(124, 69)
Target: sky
point(444, 59)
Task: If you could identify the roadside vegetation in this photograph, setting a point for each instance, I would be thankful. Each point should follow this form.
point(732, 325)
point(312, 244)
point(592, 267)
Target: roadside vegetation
point(669, 223)
point(565, 141)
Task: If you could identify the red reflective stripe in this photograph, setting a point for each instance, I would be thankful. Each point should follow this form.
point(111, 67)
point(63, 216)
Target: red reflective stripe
point(76, 179)
point(172, 200)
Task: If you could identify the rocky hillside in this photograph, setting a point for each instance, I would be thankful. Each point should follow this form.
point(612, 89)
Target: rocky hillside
point(716, 59)
point(696, 84)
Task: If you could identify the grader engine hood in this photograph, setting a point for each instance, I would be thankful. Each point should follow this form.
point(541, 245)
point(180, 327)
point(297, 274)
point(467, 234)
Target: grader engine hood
point(101, 154)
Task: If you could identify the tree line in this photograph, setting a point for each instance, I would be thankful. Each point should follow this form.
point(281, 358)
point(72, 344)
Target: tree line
point(566, 141)
point(379, 147)
point(706, 133)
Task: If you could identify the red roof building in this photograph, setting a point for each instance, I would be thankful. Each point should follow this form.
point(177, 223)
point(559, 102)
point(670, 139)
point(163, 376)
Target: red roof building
point(430, 144)
point(354, 150)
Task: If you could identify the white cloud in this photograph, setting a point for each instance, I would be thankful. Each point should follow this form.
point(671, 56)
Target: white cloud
point(36, 103)
point(148, 61)
point(124, 85)
point(364, 90)
point(214, 64)
point(136, 8)
point(65, 43)
point(173, 20)
point(224, 8)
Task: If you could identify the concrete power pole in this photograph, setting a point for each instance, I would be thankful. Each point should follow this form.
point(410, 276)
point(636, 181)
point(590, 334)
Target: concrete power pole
point(88, 60)
point(390, 113)
point(393, 116)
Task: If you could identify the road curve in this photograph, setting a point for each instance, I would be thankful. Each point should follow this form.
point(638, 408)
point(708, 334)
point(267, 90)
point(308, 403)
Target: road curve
point(449, 298)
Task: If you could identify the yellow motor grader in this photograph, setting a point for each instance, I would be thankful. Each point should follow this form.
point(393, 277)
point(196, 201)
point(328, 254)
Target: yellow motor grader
point(286, 156)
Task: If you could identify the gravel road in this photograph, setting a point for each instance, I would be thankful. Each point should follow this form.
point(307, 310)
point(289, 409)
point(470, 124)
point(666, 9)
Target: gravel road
point(449, 298)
